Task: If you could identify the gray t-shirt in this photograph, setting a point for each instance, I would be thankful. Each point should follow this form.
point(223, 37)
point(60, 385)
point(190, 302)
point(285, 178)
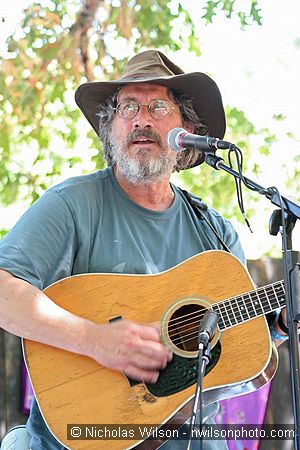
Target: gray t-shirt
point(88, 224)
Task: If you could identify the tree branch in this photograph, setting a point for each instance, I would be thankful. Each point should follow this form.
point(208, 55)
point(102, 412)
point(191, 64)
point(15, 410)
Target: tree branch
point(79, 31)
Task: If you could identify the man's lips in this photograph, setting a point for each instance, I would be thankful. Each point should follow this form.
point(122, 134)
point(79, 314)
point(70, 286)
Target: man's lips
point(143, 141)
point(143, 138)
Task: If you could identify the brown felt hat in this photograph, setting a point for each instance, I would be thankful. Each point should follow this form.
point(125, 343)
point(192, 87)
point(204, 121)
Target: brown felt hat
point(152, 66)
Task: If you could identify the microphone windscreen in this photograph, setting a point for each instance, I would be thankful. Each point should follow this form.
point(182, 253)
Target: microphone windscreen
point(173, 136)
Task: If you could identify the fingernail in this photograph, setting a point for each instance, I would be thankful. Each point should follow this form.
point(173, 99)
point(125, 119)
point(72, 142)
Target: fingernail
point(155, 378)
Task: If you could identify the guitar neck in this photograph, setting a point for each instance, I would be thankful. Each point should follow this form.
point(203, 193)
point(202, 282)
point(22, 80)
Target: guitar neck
point(247, 306)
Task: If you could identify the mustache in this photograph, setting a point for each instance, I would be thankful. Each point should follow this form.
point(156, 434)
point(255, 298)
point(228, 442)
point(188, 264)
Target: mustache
point(145, 133)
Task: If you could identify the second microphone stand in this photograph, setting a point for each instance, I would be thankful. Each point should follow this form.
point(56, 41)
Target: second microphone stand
point(291, 210)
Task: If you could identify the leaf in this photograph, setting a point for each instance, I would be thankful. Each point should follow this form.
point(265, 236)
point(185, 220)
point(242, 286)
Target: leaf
point(290, 134)
point(279, 117)
point(209, 9)
point(39, 117)
point(3, 232)
point(228, 7)
point(264, 150)
point(255, 12)
point(271, 139)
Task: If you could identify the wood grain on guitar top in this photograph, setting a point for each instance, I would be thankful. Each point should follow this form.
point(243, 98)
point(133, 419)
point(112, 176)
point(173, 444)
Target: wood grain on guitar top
point(74, 389)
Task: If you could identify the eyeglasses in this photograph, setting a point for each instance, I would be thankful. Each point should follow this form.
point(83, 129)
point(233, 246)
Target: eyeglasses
point(158, 109)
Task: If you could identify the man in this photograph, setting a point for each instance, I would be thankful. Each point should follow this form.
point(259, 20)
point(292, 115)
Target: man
point(127, 218)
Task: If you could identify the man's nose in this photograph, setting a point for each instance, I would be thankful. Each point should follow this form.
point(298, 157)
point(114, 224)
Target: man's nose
point(143, 118)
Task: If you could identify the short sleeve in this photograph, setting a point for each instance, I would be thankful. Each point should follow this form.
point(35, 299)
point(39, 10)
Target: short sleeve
point(40, 248)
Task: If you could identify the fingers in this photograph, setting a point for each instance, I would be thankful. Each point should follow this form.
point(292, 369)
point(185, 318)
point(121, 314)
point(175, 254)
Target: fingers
point(143, 353)
point(283, 312)
point(158, 361)
point(145, 376)
point(152, 332)
point(134, 349)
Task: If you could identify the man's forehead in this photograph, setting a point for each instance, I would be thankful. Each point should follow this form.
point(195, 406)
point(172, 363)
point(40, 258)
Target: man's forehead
point(141, 88)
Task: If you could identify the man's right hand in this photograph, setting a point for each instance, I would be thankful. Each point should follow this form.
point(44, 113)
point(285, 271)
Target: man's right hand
point(133, 349)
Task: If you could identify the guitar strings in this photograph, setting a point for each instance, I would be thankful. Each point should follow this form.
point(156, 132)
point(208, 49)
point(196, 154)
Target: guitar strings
point(188, 319)
point(263, 302)
point(194, 328)
point(192, 334)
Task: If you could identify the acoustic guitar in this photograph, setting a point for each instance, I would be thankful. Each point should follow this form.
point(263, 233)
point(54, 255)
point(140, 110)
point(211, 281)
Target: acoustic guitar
point(74, 389)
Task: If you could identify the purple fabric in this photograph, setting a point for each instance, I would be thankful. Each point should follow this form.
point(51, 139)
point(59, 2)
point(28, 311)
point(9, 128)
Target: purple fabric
point(27, 392)
point(247, 409)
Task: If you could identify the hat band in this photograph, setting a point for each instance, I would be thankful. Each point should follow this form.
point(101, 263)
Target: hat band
point(143, 76)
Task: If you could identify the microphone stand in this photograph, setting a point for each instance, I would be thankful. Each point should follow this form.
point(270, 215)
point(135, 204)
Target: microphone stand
point(203, 360)
point(206, 332)
point(291, 261)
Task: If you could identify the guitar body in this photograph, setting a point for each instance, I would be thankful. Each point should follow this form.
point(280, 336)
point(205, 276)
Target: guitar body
point(73, 389)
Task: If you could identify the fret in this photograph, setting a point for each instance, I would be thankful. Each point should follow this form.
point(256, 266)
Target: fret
point(237, 310)
point(268, 300)
point(280, 292)
point(226, 304)
point(250, 307)
point(230, 312)
point(264, 300)
point(225, 314)
point(244, 309)
point(257, 303)
point(221, 322)
point(274, 301)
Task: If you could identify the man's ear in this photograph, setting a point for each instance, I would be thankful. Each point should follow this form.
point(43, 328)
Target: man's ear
point(188, 126)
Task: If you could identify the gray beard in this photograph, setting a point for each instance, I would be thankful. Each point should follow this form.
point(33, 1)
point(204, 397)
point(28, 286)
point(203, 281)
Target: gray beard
point(146, 169)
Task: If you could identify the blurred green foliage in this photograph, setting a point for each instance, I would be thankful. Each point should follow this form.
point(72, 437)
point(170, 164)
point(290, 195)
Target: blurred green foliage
point(62, 43)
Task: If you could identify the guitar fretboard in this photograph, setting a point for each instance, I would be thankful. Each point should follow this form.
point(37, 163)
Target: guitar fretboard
point(249, 305)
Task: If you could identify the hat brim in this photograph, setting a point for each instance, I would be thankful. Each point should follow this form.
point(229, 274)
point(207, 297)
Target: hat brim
point(207, 100)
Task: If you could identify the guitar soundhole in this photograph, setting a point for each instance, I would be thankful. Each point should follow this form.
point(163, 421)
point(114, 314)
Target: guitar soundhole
point(183, 326)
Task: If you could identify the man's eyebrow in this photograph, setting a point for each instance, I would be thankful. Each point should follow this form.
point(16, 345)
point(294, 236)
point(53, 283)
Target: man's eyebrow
point(134, 99)
point(128, 98)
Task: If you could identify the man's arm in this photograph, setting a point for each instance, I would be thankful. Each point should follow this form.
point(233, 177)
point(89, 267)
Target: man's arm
point(28, 312)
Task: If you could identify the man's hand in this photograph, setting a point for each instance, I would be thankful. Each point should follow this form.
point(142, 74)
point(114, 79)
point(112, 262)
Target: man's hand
point(277, 333)
point(133, 349)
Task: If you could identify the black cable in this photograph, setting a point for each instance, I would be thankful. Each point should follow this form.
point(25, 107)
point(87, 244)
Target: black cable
point(238, 181)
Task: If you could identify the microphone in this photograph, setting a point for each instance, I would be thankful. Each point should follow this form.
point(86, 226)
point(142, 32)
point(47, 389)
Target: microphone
point(179, 139)
point(208, 326)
